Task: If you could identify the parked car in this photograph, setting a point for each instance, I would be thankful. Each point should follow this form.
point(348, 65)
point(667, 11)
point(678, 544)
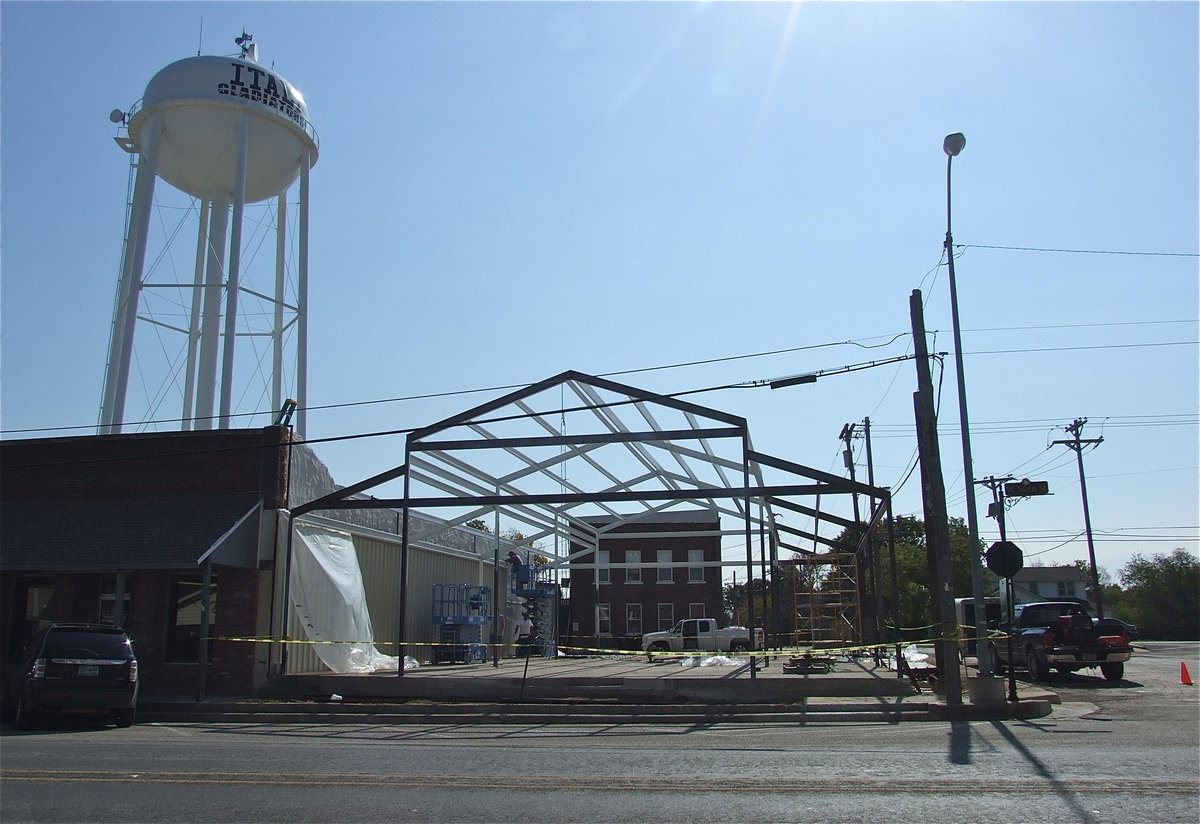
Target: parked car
point(1130, 629)
point(76, 668)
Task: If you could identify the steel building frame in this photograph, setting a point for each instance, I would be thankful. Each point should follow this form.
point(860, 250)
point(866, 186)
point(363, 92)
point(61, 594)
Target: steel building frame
point(575, 445)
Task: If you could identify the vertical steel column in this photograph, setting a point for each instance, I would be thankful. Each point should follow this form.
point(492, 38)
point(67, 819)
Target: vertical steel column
point(749, 554)
point(401, 622)
point(496, 591)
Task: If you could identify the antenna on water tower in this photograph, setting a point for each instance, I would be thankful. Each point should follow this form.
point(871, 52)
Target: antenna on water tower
point(228, 133)
point(249, 50)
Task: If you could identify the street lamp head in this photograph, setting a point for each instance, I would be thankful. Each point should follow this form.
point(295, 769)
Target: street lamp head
point(783, 383)
point(954, 143)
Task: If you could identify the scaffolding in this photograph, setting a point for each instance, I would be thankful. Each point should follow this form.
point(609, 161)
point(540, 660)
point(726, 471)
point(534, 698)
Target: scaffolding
point(827, 609)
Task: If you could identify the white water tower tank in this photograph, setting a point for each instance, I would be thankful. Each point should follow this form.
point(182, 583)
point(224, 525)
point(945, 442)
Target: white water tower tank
point(227, 132)
point(200, 102)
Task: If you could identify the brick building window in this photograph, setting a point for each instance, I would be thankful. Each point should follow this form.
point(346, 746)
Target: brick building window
point(183, 628)
point(633, 575)
point(603, 619)
point(666, 616)
point(665, 573)
point(696, 569)
point(633, 619)
point(108, 602)
point(603, 573)
point(696, 610)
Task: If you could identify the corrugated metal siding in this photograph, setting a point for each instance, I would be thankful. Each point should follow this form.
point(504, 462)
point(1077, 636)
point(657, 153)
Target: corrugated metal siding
point(379, 560)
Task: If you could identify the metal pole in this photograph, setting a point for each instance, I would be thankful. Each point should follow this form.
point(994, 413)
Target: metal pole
point(981, 653)
point(496, 591)
point(749, 555)
point(998, 498)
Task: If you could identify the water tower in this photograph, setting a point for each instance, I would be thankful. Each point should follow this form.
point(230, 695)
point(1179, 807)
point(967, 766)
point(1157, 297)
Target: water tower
point(227, 132)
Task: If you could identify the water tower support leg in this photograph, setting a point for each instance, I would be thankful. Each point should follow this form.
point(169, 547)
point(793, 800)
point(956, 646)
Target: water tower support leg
point(210, 330)
point(235, 262)
point(125, 316)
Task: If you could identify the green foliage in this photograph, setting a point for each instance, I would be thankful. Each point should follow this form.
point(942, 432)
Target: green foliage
point(1106, 585)
point(736, 604)
point(913, 577)
point(1162, 596)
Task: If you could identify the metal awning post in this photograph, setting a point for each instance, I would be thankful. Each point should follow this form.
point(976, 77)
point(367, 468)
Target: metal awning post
point(205, 627)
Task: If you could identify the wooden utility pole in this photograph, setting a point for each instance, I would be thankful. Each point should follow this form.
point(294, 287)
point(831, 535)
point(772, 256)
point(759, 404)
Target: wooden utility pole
point(1077, 444)
point(937, 528)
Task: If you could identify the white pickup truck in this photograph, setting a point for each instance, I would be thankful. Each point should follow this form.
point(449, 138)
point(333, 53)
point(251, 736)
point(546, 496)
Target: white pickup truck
point(700, 635)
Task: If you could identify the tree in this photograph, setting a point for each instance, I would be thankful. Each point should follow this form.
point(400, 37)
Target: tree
point(735, 605)
point(1106, 585)
point(513, 536)
point(1162, 595)
point(912, 571)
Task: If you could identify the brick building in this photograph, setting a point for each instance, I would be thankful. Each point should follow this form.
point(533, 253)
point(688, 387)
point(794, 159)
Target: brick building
point(143, 530)
point(645, 576)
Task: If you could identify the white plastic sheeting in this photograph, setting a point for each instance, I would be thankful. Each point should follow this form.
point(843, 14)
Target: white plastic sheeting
point(714, 661)
point(330, 602)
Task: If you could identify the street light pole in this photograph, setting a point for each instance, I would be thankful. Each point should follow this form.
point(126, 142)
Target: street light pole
point(952, 145)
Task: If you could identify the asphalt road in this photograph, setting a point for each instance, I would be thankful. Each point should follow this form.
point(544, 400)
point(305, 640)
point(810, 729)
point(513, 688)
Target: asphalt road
point(1126, 752)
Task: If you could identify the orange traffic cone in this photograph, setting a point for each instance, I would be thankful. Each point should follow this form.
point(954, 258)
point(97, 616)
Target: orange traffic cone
point(1184, 678)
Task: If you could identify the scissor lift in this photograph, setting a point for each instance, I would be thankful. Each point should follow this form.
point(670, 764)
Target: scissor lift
point(461, 611)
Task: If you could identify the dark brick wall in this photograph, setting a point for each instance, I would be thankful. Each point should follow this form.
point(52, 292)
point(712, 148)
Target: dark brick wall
point(650, 592)
point(216, 462)
point(157, 465)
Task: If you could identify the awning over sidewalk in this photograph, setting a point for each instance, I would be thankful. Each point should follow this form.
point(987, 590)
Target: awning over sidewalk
point(104, 534)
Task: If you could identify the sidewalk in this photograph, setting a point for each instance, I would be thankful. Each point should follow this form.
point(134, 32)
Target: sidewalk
point(601, 690)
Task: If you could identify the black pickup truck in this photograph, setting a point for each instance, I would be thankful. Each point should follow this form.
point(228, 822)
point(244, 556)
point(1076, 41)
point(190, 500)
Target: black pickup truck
point(1062, 636)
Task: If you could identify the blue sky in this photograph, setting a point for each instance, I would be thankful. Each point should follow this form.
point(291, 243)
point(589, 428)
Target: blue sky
point(506, 191)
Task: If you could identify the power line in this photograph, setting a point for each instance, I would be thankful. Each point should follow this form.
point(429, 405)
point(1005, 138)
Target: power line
point(1075, 251)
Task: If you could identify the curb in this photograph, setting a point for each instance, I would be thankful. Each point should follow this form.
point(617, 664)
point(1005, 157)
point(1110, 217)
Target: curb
point(806, 712)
